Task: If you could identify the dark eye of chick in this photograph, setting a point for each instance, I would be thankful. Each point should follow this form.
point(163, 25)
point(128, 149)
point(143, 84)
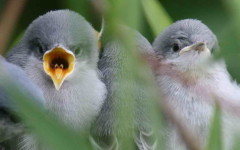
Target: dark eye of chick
point(176, 48)
point(77, 51)
point(36, 45)
point(40, 49)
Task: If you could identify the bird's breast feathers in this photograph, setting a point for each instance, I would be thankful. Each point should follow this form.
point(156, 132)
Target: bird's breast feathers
point(80, 98)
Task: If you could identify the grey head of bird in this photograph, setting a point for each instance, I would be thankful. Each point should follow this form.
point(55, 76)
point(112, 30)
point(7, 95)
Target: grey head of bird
point(60, 43)
point(186, 44)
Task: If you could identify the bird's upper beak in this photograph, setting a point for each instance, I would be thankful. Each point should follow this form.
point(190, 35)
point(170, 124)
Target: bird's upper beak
point(197, 47)
point(58, 63)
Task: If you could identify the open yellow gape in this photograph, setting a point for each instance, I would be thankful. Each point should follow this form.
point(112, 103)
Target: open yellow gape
point(58, 63)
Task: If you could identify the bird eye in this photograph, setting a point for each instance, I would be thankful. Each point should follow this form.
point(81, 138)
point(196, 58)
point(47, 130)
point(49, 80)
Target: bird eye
point(37, 46)
point(176, 48)
point(40, 49)
point(77, 50)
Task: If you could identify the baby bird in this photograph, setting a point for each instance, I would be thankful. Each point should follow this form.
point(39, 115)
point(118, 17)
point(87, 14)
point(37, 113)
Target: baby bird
point(59, 53)
point(107, 125)
point(193, 80)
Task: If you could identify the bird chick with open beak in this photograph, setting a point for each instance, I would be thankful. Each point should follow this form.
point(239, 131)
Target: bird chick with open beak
point(193, 80)
point(59, 53)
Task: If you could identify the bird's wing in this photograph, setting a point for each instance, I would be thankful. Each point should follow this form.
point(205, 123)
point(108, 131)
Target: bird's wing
point(17, 76)
point(145, 140)
point(104, 143)
point(224, 89)
point(9, 127)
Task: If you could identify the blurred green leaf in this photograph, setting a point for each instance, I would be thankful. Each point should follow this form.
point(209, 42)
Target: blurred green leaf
point(230, 42)
point(233, 7)
point(81, 6)
point(236, 143)
point(47, 128)
point(156, 15)
point(215, 136)
point(125, 94)
point(134, 75)
point(86, 9)
point(16, 41)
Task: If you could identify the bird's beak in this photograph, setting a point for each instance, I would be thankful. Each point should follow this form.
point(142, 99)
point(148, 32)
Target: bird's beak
point(197, 47)
point(99, 41)
point(99, 34)
point(58, 63)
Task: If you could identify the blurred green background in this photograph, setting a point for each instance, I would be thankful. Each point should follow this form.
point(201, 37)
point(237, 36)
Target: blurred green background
point(214, 13)
point(219, 15)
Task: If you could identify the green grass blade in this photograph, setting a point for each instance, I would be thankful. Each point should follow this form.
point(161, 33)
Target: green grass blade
point(134, 73)
point(125, 94)
point(215, 136)
point(230, 39)
point(236, 144)
point(156, 15)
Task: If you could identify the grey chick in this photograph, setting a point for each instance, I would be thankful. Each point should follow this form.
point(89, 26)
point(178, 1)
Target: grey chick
point(10, 128)
point(59, 53)
point(106, 129)
point(194, 81)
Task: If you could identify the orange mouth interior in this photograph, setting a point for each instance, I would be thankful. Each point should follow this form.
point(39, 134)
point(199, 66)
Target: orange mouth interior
point(58, 63)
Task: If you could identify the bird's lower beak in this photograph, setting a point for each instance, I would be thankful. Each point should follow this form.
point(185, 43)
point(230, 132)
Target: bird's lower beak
point(197, 47)
point(58, 63)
